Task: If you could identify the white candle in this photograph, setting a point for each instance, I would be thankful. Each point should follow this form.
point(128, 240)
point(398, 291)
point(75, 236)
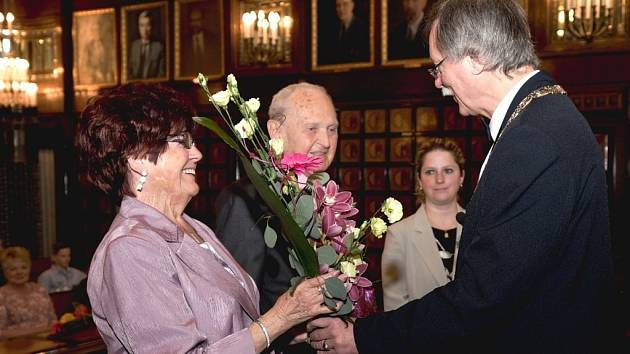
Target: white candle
point(264, 24)
point(274, 18)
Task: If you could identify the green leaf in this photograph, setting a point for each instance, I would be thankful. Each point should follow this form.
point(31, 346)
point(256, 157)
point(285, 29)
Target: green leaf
point(316, 232)
point(257, 167)
point(326, 255)
point(330, 302)
point(270, 236)
point(347, 241)
point(295, 280)
point(323, 177)
point(305, 206)
point(295, 264)
point(345, 309)
point(335, 287)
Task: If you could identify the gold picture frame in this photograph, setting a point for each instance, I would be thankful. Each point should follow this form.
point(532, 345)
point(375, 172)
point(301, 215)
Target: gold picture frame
point(339, 49)
point(199, 39)
point(155, 66)
point(95, 51)
point(399, 47)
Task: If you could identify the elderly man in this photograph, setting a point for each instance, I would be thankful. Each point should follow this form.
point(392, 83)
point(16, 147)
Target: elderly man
point(534, 269)
point(146, 56)
point(347, 38)
point(405, 40)
point(304, 117)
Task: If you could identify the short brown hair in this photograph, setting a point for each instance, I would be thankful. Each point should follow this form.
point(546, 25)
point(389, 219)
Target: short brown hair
point(131, 120)
point(433, 144)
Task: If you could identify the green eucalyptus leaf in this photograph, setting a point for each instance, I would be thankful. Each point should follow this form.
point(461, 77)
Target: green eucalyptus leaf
point(271, 236)
point(326, 255)
point(300, 220)
point(335, 287)
point(295, 280)
point(305, 206)
point(330, 302)
point(345, 309)
point(322, 177)
point(316, 231)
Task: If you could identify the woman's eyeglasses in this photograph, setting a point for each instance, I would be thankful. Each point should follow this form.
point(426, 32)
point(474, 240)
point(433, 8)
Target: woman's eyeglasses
point(435, 71)
point(185, 139)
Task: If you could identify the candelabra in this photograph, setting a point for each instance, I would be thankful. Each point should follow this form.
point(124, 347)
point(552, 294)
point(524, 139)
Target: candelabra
point(587, 20)
point(17, 93)
point(266, 36)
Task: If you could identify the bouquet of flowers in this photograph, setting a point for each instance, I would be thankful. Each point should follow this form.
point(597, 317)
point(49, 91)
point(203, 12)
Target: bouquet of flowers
point(315, 216)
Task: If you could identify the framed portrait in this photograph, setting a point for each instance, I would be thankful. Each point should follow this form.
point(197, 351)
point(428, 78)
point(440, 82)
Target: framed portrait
point(375, 121)
point(95, 50)
point(342, 34)
point(350, 122)
point(402, 39)
point(198, 39)
point(144, 42)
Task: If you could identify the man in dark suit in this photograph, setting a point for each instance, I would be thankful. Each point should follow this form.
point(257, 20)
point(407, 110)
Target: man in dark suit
point(146, 56)
point(303, 116)
point(347, 39)
point(405, 39)
point(535, 265)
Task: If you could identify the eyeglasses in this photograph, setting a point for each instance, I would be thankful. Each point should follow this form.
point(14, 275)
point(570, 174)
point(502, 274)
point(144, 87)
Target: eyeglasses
point(435, 71)
point(185, 139)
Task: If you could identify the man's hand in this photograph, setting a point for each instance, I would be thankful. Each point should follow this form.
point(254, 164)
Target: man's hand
point(331, 335)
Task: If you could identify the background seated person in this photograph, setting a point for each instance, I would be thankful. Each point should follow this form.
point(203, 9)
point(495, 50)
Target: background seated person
point(60, 276)
point(25, 307)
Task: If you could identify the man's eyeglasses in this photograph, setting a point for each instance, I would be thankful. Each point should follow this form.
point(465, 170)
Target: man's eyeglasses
point(435, 71)
point(185, 139)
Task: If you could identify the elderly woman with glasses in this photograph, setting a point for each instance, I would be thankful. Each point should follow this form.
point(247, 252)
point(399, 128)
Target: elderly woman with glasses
point(160, 281)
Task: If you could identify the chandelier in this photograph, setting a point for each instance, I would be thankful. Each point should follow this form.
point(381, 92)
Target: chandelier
point(265, 36)
point(587, 20)
point(17, 93)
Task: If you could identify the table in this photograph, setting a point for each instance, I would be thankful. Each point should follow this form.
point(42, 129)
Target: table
point(85, 341)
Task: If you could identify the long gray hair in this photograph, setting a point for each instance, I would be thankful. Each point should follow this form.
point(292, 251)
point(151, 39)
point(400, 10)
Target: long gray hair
point(495, 32)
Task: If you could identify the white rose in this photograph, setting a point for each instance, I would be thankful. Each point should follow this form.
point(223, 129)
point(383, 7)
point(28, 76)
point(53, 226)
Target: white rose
point(221, 98)
point(232, 86)
point(244, 129)
point(349, 269)
point(277, 145)
point(393, 209)
point(356, 232)
point(378, 227)
point(253, 104)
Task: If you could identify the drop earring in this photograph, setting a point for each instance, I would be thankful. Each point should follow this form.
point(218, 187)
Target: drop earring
point(141, 181)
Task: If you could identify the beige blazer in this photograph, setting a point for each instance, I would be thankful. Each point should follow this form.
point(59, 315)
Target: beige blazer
point(411, 266)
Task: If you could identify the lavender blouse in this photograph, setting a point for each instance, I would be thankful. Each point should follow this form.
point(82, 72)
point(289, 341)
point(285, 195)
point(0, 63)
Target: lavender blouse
point(155, 290)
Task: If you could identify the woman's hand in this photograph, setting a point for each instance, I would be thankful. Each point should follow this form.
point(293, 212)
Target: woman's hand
point(304, 301)
point(295, 306)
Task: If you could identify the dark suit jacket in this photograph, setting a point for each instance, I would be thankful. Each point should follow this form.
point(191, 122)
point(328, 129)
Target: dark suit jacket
point(352, 45)
point(154, 60)
point(400, 47)
point(534, 269)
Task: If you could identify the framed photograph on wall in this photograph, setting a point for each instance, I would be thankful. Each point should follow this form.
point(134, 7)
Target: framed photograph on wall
point(402, 37)
point(95, 50)
point(342, 34)
point(144, 42)
point(198, 39)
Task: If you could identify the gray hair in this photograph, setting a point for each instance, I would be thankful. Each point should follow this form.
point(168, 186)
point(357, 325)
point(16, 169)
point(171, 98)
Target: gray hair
point(495, 32)
point(282, 104)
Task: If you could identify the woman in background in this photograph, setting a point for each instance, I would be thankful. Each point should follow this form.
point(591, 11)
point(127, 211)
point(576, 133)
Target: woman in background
point(420, 251)
point(160, 281)
point(25, 307)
